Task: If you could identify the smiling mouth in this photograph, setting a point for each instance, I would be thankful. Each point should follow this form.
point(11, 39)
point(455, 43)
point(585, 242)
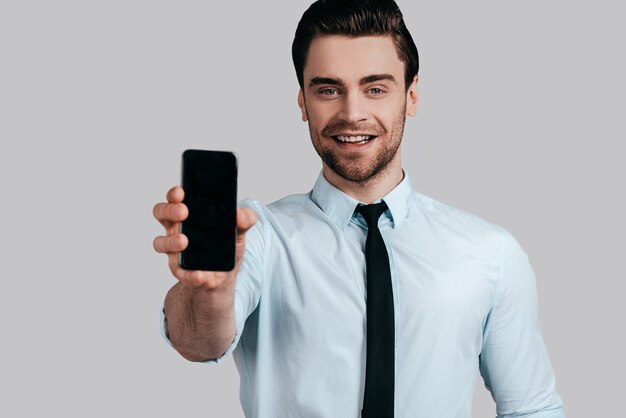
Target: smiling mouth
point(353, 139)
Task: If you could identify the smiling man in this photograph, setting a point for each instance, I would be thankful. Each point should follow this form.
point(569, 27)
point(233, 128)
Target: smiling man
point(355, 100)
point(362, 298)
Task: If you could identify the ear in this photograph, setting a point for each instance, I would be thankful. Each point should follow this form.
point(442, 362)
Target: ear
point(301, 105)
point(412, 98)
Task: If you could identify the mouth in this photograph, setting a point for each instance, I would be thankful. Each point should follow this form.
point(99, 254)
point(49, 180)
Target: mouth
point(353, 139)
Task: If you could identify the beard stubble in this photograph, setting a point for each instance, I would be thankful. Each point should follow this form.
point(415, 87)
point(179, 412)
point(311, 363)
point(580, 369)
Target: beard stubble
point(354, 166)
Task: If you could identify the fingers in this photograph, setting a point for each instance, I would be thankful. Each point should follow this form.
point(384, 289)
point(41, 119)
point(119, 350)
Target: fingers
point(175, 195)
point(169, 213)
point(193, 278)
point(197, 278)
point(170, 244)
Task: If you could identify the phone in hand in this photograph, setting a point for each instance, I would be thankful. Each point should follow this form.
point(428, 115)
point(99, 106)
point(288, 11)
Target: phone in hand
point(209, 179)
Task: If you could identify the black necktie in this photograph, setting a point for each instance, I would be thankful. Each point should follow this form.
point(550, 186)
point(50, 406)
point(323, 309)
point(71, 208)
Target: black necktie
point(379, 369)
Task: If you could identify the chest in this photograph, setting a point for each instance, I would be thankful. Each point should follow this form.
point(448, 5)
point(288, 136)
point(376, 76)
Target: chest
point(317, 283)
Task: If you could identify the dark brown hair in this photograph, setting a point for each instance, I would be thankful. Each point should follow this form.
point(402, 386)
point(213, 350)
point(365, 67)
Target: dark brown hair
point(355, 18)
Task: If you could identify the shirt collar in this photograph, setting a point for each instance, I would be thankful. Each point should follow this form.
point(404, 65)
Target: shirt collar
point(340, 207)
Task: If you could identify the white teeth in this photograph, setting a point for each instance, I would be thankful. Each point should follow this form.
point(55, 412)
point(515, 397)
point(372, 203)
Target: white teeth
point(357, 138)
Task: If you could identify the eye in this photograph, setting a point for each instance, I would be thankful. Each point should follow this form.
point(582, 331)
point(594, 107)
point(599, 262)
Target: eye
point(376, 91)
point(328, 92)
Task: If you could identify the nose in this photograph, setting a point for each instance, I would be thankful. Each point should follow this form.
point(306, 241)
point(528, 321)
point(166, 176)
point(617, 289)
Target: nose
point(353, 108)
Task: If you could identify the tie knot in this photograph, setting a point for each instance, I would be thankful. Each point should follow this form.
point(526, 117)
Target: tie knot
point(372, 212)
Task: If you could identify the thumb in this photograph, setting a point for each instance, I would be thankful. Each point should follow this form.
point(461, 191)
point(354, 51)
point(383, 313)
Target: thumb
point(246, 218)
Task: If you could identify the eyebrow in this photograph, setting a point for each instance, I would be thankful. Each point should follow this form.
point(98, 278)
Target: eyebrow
point(326, 80)
point(339, 82)
point(377, 77)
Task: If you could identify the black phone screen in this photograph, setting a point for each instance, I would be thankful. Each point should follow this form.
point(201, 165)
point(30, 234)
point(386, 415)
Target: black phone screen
point(209, 179)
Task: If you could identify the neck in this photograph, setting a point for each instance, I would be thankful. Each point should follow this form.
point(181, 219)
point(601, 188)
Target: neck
point(372, 189)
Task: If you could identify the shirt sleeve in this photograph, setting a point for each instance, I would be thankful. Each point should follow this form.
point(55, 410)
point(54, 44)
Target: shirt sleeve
point(249, 277)
point(514, 361)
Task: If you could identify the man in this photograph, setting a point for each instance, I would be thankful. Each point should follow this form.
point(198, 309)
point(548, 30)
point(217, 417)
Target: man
point(333, 311)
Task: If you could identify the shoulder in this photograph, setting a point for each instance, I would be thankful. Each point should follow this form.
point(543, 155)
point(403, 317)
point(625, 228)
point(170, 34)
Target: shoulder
point(285, 206)
point(454, 224)
point(451, 216)
point(290, 204)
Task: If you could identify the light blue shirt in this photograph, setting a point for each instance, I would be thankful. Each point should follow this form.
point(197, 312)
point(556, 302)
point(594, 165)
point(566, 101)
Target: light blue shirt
point(465, 302)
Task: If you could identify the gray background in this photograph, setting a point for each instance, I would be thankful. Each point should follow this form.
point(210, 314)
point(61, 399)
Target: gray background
point(518, 123)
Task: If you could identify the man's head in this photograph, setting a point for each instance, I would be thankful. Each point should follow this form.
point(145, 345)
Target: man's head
point(358, 79)
point(354, 18)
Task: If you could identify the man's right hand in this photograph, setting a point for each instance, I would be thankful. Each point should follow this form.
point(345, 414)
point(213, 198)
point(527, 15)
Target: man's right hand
point(174, 211)
point(200, 307)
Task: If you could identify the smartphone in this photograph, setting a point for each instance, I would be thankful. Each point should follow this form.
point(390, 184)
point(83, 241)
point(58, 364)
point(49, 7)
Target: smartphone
point(209, 179)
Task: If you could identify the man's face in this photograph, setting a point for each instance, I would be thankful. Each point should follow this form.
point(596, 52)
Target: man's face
point(355, 101)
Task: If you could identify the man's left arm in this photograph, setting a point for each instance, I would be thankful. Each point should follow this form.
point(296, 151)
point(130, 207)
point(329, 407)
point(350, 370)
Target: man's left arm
point(514, 361)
